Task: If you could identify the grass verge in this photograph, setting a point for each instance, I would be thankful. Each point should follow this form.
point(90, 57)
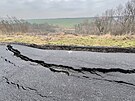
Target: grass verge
point(68, 39)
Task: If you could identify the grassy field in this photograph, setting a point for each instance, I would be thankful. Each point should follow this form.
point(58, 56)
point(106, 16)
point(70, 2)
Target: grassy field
point(77, 40)
point(62, 22)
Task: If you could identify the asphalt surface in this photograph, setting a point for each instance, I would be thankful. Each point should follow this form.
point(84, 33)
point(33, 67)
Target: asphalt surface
point(30, 74)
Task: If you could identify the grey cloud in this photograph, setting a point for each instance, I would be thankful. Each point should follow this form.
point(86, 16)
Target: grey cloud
point(55, 8)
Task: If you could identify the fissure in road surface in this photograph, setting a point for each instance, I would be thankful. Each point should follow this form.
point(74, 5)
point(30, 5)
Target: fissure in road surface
point(6, 60)
point(81, 48)
point(81, 70)
point(68, 69)
point(26, 88)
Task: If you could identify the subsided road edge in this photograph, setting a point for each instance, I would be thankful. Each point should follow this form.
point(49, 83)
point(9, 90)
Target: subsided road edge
point(79, 48)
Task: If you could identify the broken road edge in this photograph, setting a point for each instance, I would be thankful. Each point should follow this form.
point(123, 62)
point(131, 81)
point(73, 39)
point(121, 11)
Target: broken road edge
point(102, 49)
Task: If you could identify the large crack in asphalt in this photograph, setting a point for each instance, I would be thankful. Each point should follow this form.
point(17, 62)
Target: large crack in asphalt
point(108, 80)
point(83, 69)
point(25, 88)
point(80, 48)
point(8, 61)
point(68, 69)
point(20, 86)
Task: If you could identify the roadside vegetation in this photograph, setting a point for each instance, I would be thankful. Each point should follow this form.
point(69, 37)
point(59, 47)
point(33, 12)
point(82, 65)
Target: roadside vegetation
point(115, 27)
point(69, 39)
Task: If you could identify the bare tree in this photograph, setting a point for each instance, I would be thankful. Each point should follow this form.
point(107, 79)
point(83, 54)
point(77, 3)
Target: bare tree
point(99, 22)
point(130, 12)
point(83, 28)
point(125, 17)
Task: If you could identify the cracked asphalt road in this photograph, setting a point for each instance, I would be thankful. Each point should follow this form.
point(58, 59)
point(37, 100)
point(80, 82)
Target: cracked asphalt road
point(30, 74)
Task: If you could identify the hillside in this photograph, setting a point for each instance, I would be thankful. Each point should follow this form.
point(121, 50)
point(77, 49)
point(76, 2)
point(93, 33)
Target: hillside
point(62, 22)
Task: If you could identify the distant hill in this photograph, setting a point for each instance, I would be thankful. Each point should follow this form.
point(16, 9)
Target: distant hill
point(63, 22)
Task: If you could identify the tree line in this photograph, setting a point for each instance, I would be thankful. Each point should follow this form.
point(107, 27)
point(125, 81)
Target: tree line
point(118, 21)
point(11, 25)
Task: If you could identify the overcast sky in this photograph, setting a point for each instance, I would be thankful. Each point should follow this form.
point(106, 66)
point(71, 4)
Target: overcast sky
point(56, 8)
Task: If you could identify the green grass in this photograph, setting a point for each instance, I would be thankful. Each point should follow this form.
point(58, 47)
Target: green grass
point(62, 22)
